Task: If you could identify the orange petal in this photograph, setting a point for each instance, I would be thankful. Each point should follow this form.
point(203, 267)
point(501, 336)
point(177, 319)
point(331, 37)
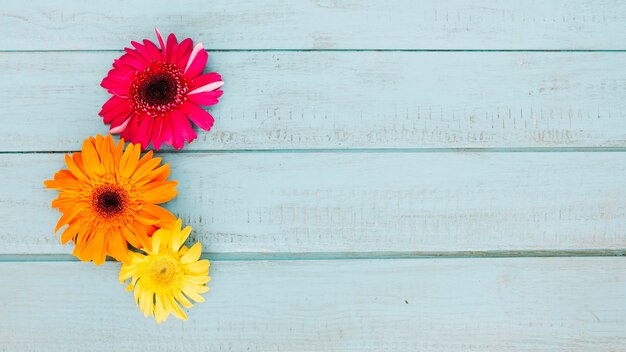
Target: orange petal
point(91, 158)
point(145, 158)
point(145, 169)
point(70, 232)
point(63, 184)
point(157, 212)
point(129, 160)
point(117, 247)
point(117, 153)
point(74, 168)
point(67, 217)
point(161, 194)
point(64, 174)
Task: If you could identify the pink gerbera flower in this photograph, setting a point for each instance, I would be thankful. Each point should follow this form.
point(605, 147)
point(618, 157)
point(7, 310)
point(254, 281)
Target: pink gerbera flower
point(156, 93)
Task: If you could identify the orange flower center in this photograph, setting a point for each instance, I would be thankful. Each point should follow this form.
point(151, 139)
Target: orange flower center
point(109, 201)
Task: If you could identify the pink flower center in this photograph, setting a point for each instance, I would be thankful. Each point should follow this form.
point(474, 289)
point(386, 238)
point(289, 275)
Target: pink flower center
point(160, 88)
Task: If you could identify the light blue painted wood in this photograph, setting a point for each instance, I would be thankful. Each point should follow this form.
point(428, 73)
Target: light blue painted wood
point(319, 24)
point(345, 100)
point(538, 304)
point(418, 196)
point(360, 202)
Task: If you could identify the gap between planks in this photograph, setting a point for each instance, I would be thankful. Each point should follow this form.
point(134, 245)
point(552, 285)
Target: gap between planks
point(362, 150)
point(304, 50)
point(313, 256)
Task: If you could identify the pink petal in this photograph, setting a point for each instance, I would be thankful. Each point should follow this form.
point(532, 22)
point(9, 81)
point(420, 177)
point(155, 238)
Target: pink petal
point(194, 52)
point(172, 44)
point(184, 50)
point(209, 87)
point(181, 125)
point(117, 127)
point(136, 55)
point(166, 130)
point(207, 98)
point(205, 79)
point(178, 139)
point(144, 132)
point(155, 53)
point(111, 103)
point(114, 87)
point(129, 133)
point(160, 38)
point(157, 132)
point(122, 76)
point(130, 62)
point(122, 68)
point(142, 50)
point(200, 117)
point(123, 109)
point(197, 61)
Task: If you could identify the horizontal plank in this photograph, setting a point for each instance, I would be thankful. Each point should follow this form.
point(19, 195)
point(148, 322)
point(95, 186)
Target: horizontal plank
point(319, 24)
point(360, 202)
point(344, 100)
point(538, 304)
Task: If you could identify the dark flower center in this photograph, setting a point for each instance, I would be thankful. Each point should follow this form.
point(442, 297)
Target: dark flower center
point(109, 201)
point(158, 89)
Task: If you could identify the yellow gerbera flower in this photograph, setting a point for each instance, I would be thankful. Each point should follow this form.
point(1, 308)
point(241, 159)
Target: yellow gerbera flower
point(168, 274)
point(108, 198)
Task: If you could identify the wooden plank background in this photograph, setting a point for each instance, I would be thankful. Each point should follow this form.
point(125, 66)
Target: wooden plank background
point(320, 24)
point(326, 100)
point(521, 304)
point(363, 202)
point(355, 141)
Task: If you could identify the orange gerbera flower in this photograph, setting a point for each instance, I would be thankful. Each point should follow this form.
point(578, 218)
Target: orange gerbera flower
point(108, 198)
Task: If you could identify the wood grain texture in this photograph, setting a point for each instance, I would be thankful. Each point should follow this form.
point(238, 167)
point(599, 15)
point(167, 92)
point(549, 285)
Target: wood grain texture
point(540, 304)
point(319, 24)
point(344, 100)
point(340, 135)
point(360, 202)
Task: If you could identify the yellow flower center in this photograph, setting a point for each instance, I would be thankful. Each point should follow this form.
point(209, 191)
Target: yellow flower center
point(165, 270)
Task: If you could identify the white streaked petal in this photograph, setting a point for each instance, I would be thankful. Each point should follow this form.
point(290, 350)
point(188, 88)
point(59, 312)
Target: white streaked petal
point(121, 127)
point(207, 88)
point(194, 52)
point(161, 41)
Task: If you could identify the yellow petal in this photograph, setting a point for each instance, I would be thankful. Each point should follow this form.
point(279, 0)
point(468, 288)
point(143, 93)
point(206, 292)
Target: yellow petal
point(178, 241)
point(191, 291)
point(173, 307)
point(197, 279)
point(180, 297)
point(126, 272)
point(192, 254)
point(201, 267)
point(160, 313)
